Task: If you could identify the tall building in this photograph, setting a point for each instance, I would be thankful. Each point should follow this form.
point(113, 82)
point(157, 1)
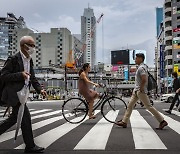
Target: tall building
point(7, 26)
point(56, 47)
point(88, 36)
point(159, 19)
point(176, 35)
point(172, 36)
point(159, 51)
point(168, 37)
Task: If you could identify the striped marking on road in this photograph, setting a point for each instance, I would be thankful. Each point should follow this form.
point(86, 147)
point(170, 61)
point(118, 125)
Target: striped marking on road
point(9, 135)
point(173, 112)
point(52, 135)
point(46, 114)
point(144, 136)
point(33, 112)
point(173, 124)
point(100, 131)
point(2, 111)
point(40, 111)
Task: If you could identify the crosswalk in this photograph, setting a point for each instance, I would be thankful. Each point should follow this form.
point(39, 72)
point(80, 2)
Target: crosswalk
point(50, 129)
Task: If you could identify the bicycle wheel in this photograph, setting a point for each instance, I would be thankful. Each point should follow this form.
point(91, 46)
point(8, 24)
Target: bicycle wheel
point(74, 110)
point(112, 108)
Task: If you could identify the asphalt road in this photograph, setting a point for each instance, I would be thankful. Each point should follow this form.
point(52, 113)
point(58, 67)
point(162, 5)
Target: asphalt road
point(96, 136)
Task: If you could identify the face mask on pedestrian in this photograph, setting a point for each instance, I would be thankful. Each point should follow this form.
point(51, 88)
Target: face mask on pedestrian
point(31, 50)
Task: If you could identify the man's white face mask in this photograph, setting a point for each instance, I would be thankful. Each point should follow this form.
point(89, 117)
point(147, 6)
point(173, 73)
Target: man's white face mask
point(31, 50)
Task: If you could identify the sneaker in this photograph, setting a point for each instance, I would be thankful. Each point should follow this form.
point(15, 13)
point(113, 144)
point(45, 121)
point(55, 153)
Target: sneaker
point(168, 111)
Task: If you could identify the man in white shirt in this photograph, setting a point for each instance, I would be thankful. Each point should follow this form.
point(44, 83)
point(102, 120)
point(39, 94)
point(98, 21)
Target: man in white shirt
point(140, 92)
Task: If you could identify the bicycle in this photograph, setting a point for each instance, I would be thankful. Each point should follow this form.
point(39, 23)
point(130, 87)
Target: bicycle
point(75, 110)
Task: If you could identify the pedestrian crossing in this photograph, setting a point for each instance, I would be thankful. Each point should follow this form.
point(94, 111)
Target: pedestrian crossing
point(50, 128)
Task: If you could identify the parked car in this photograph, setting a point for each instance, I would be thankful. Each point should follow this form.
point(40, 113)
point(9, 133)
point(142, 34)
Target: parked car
point(167, 98)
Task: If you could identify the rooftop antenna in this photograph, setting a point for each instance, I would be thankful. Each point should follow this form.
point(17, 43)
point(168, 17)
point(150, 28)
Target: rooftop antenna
point(88, 5)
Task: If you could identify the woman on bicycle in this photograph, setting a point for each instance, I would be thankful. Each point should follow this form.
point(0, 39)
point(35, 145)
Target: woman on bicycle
point(84, 88)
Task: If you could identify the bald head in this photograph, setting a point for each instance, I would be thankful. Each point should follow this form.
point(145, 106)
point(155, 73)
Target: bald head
point(26, 40)
point(25, 43)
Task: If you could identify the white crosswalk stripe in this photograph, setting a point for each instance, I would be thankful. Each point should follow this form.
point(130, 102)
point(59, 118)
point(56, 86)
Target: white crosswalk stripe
point(10, 134)
point(143, 134)
point(174, 112)
point(173, 124)
point(54, 134)
point(102, 131)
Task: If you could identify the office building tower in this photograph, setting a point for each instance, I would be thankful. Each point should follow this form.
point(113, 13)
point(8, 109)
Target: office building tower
point(88, 36)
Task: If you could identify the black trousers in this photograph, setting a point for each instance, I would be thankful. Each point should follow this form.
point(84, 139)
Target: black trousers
point(26, 126)
point(176, 97)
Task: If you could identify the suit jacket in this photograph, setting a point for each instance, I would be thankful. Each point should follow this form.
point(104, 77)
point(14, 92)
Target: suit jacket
point(14, 81)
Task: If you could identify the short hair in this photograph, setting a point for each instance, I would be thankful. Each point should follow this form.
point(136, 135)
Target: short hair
point(141, 55)
point(175, 74)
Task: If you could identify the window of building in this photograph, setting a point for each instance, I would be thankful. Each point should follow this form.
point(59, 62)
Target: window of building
point(178, 9)
point(178, 26)
point(178, 0)
point(178, 35)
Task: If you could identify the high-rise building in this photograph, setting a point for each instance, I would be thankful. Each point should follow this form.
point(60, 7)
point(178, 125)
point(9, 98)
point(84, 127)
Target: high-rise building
point(159, 51)
point(88, 35)
point(172, 36)
point(56, 47)
point(7, 26)
point(176, 35)
point(168, 37)
point(159, 19)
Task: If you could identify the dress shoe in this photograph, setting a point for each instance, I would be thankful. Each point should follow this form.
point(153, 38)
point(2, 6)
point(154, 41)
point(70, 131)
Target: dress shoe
point(168, 111)
point(162, 125)
point(121, 123)
point(35, 149)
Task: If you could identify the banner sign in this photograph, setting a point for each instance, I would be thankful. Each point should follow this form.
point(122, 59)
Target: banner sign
point(161, 61)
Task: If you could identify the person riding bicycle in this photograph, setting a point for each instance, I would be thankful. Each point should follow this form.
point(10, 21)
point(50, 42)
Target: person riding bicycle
point(84, 88)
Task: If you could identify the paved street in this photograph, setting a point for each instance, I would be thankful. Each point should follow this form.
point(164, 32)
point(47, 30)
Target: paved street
point(96, 136)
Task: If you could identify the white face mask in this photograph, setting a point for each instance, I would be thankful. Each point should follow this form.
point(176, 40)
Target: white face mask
point(31, 50)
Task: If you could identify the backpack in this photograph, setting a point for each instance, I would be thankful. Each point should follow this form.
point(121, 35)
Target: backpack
point(152, 84)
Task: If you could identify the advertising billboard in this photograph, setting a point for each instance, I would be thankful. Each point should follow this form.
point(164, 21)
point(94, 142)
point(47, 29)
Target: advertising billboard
point(132, 55)
point(120, 57)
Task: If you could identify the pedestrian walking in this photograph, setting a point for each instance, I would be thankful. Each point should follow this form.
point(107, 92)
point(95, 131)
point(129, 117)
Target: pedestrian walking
point(17, 72)
point(140, 92)
point(176, 89)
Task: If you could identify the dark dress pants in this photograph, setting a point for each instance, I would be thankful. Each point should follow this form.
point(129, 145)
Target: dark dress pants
point(176, 97)
point(26, 126)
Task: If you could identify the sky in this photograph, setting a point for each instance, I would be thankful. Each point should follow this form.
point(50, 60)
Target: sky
point(126, 23)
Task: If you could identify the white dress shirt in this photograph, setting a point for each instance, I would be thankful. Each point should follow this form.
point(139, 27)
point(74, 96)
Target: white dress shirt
point(26, 63)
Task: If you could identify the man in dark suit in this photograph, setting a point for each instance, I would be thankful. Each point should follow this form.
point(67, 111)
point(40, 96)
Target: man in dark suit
point(18, 71)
